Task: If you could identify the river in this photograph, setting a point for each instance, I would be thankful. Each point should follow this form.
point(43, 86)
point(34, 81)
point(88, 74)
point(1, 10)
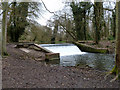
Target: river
point(71, 55)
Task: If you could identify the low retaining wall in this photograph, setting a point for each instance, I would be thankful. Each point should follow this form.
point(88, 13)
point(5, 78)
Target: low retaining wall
point(87, 48)
point(49, 55)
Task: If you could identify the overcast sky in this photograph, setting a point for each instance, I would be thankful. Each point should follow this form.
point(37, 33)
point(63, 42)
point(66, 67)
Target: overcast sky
point(52, 5)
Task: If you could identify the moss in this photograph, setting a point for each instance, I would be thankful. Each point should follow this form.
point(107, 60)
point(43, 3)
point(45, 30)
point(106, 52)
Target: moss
point(114, 70)
point(5, 54)
point(87, 48)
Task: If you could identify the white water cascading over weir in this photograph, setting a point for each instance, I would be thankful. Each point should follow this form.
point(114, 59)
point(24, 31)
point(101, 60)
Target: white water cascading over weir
point(63, 49)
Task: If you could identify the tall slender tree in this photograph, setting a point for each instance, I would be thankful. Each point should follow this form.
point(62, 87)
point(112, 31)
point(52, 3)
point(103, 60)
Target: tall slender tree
point(117, 52)
point(116, 69)
point(113, 23)
point(4, 27)
point(98, 12)
point(53, 39)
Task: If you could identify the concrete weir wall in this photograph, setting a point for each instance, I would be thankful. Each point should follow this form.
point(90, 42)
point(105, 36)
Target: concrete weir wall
point(49, 55)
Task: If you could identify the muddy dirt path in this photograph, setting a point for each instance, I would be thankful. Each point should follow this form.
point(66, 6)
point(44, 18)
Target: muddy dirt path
point(19, 70)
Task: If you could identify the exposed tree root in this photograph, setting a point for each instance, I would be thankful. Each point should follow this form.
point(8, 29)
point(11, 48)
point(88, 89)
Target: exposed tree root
point(107, 75)
point(114, 79)
point(115, 72)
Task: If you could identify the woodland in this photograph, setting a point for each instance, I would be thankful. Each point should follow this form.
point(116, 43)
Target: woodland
point(76, 22)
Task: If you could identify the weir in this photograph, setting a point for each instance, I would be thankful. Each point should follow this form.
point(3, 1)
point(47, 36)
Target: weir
point(71, 55)
point(63, 49)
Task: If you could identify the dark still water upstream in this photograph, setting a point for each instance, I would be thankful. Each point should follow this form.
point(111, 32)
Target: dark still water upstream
point(71, 55)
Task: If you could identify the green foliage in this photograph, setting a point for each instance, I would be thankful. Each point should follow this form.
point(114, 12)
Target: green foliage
point(80, 11)
point(37, 34)
point(89, 37)
point(19, 13)
point(17, 21)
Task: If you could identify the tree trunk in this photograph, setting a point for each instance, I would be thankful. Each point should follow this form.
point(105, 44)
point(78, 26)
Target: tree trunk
point(4, 28)
point(85, 26)
point(98, 7)
point(117, 54)
point(0, 38)
point(55, 32)
point(114, 24)
point(108, 27)
point(116, 69)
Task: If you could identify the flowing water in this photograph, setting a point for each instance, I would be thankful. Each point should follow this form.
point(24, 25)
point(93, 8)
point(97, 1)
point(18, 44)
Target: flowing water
point(71, 55)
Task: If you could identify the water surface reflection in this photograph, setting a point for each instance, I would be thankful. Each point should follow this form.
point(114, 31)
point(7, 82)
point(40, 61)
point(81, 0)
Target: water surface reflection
point(70, 55)
point(97, 61)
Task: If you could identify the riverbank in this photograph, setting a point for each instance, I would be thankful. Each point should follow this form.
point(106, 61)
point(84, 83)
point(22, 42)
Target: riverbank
point(23, 70)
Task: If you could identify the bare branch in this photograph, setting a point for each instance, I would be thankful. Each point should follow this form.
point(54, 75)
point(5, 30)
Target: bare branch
point(6, 8)
point(59, 21)
point(46, 7)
